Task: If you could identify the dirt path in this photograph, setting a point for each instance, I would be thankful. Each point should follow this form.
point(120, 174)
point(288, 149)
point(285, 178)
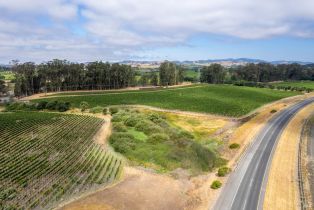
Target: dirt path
point(115, 91)
point(104, 132)
point(282, 186)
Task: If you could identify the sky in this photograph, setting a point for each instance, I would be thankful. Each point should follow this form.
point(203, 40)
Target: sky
point(115, 30)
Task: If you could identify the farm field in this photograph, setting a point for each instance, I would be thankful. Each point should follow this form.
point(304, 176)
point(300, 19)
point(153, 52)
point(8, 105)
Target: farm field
point(224, 100)
point(306, 84)
point(48, 157)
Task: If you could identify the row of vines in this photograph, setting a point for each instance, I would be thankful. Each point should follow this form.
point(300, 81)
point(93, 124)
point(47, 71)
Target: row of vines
point(46, 158)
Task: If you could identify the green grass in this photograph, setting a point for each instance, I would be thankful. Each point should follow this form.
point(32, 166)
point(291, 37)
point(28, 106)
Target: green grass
point(8, 75)
point(306, 84)
point(152, 142)
point(48, 157)
point(216, 99)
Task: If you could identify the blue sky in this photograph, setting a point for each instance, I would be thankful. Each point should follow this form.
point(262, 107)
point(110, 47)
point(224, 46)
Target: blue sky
point(87, 30)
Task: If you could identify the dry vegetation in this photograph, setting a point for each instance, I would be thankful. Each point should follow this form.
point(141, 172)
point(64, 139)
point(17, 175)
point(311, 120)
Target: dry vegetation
point(282, 186)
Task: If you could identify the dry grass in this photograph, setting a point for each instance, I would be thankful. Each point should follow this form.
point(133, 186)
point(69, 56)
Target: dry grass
point(282, 186)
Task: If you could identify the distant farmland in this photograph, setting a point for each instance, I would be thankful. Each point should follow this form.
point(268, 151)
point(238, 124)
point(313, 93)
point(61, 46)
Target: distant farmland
point(215, 99)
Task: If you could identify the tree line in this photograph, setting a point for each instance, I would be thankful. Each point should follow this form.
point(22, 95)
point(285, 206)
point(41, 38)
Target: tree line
point(62, 75)
point(261, 72)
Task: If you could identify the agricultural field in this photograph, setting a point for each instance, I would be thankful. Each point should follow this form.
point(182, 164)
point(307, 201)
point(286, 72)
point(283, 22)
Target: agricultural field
point(48, 157)
point(306, 84)
point(224, 100)
point(149, 139)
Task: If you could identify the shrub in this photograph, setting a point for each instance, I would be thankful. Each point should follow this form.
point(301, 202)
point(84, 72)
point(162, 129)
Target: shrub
point(105, 111)
point(113, 110)
point(154, 117)
point(147, 127)
point(63, 106)
point(131, 121)
point(273, 111)
point(96, 109)
point(216, 184)
point(122, 142)
point(223, 171)
point(119, 127)
point(84, 105)
point(234, 146)
point(158, 138)
point(42, 105)
point(52, 105)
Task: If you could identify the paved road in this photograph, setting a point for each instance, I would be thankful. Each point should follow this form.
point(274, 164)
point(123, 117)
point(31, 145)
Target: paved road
point(245, 188)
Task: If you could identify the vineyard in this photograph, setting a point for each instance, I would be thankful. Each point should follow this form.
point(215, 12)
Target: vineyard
point(46, 158)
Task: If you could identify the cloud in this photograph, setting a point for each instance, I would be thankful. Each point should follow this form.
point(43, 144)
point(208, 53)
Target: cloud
point(119, 29)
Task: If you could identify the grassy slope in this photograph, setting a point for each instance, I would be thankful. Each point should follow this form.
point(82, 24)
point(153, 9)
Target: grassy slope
point(307, 84)
point(134, 135)
point(216, 99)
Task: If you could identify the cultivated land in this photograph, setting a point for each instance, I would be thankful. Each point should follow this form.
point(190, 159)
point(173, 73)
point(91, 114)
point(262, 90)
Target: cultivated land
point(215, 99)
point(47, 157)
point(306, 84)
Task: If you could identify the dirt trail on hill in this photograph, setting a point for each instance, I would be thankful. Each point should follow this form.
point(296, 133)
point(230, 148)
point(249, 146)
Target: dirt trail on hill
point(51, 94)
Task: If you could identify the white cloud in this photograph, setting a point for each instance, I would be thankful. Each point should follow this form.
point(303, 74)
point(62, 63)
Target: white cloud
point(120, 28)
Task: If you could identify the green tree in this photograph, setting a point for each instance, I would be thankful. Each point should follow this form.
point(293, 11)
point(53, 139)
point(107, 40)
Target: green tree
point(84, 105)
point(214, 73)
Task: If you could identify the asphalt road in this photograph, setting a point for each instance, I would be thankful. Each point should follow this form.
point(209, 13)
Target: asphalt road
point(245, 188)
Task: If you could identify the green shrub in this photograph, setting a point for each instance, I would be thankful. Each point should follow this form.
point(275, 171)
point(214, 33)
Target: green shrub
point(52, 105)
point(154, 117)
point(223, 171)
point(84, 105)
point(158, 138)
point(147, 127)
point(215, 184)
point(119, 127)
point(41, 105)
point(131, 121)
point(96, 109)
point(113, 110)
point(234, 146)
point(105, 111)
point(63, 106)
point(122, 142)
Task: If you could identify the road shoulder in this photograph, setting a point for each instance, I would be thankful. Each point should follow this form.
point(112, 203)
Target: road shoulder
point(282, 186)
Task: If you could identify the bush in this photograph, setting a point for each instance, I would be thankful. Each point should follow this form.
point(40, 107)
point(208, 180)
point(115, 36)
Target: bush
point(96, 109)
point(216, 184)
point(63, 106)
point(41, 105)
point(52, 105)
point(234, 146)
point(122, 142)
point(147, 127)
point(273, 111)
point(105, 111)
point(131, 121)
point(113, 110)
point(158, 138)
point(223, 171)
point(154, 117)
point(84, 105)
point(119, 127)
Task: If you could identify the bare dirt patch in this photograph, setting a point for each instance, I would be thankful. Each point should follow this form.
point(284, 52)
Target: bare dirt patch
point(282, 186)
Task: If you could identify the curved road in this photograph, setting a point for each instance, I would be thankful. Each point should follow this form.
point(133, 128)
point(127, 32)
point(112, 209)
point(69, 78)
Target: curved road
point(245, 188)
